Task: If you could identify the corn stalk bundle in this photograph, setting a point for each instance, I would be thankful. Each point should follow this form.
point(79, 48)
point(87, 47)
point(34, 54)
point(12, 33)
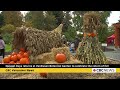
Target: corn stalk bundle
point(89, 50)
point(37, 41)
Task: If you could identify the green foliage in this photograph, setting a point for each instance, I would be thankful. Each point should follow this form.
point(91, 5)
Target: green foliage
point(67, 21)
point(103, 34)
point(41, 20)
point(8, 48)
point(8, 28)
point(50, 21)
point(7, 37)
point(12, 17)
point(59, 15)
point(1, 20)
point(70, 34)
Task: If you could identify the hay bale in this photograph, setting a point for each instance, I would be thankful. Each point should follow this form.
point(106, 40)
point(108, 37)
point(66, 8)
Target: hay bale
point(64, 50)
point(37, 41)
point(20, 76)
point(64, 75)
point(67, 62)
point(46, 57)
point(43, 58)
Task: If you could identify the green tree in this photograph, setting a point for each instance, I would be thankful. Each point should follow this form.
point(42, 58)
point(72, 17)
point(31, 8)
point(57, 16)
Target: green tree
point(43, 20)
point(103, 31)
point(59, 15)
point(28, 19)
point(50, 21)
point(8, 28)
point(12, 17)
point(70, 35)
point(66, 21)
point(78, 20)
point(1, 20)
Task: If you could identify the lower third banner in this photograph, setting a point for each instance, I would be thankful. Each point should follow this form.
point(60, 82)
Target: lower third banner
point(60, 70)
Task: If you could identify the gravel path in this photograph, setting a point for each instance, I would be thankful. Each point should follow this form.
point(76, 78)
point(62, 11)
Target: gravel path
point(113, 55)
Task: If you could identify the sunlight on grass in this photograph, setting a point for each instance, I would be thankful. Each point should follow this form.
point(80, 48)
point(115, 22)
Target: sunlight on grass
point(8, 48)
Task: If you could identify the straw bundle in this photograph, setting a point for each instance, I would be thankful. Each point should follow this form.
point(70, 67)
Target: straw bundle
point(37, 41)
point(91, 22)
point(89, 51)
point(43, 58)
point(64, 50)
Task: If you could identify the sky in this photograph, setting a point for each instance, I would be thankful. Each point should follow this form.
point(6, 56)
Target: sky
point(114, 17)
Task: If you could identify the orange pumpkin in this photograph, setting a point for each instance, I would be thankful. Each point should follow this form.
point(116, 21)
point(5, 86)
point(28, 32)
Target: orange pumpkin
point(12, 62)
point(9, 56)
point(18, 62)
point(19, 56)
point(14, 58)
point(89, 34)
point(43, 75)
point(14, 53)
point(23, 60)
point(22, 49)
point(6, 60)
point(21, 52)
point(25, 55)
point(93, 34)
point(28, 61)
point(60, 58)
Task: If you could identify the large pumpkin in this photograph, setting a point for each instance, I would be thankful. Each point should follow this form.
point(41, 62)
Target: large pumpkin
point(14, 53)
point(19, 56)
point(14, 58)
point(25, 55)
point(24, 61)
point(60, 58)
point(22, 49)
point(6, 60)
point(21, 52)
point(12, 62)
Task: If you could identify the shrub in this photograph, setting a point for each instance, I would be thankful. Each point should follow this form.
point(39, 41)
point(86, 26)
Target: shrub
point(8, 28)
point(7, 37)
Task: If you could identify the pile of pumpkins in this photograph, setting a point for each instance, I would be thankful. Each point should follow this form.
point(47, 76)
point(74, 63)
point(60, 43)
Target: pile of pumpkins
point(22, 57)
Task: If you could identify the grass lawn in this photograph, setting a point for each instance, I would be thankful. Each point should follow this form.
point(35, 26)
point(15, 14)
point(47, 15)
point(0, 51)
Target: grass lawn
point(8, 48)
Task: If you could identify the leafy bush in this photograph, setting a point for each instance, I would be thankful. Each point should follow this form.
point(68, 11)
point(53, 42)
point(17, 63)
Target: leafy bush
point(70, 34)
point(8, 28)
point(7, 37)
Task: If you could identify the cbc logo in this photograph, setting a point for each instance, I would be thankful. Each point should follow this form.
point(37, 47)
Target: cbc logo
point(104, 70)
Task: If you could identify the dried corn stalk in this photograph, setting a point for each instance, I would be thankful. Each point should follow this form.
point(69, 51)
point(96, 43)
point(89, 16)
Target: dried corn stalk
point(89, 50)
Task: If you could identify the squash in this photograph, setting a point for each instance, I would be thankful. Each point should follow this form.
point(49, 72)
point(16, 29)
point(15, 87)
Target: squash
point(23, 60)
point(6, 60)
point(60, 58)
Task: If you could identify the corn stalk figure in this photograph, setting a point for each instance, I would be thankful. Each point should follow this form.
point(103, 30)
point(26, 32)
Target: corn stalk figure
point(89, 50)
